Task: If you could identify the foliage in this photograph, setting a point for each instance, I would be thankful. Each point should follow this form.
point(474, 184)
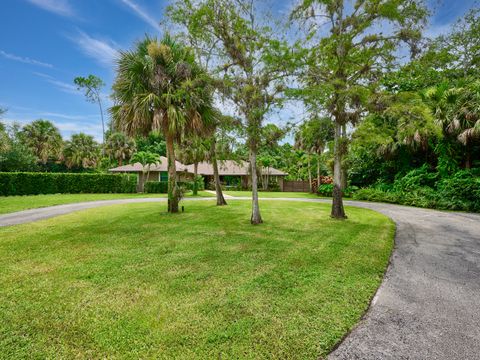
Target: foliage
point(92, 86)
point(120, 147)
point(421, 188)
point(343, 68)
point(24, 183)
point(43, 138)
point(161, 187)
point(82, 151)
point(154, 142)
point(248, 60)
point(327, 190)
point(171, 94)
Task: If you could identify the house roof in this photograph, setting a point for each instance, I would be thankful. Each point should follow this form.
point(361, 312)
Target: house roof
point(231, 167)
point(161, 166)
point(225, 167)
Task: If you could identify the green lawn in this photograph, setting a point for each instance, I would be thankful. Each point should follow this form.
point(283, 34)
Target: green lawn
point(268, 194)
point(10, 204)
point(130, 281)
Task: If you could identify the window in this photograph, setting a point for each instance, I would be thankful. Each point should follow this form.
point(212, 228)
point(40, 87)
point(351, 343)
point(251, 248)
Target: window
point(163, 176)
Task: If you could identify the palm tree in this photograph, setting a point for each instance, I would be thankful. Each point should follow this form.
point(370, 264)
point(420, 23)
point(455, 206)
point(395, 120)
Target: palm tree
point(193, 151)
point(457, 111)
point(81, 151)
point(120, 147)
point(160, 87)
point(43, 138)
point(312, 137)
point(146, 159)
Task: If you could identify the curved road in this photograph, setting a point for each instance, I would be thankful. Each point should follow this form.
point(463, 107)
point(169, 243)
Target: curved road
point(428, 306)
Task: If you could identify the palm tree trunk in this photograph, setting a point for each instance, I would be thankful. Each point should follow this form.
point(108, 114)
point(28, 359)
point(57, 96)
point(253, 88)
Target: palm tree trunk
point(256, 217)
point(338, 211)
point(309, 173)
point(468, 156)
point(195, 175)
point(218, 187)
point(172, 176)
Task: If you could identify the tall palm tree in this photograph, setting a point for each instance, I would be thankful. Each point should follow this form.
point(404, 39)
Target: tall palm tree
point(160, 87)
point(81, 151)
point(43, 138)
point(120, 147)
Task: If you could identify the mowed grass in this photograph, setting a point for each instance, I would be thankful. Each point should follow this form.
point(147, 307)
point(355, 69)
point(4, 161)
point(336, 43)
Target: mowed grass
point(272, 194)
point(10, 204)
point(130, 281)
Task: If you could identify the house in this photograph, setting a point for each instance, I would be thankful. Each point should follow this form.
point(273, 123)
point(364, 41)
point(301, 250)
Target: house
point(236, 173)
point(232, 173)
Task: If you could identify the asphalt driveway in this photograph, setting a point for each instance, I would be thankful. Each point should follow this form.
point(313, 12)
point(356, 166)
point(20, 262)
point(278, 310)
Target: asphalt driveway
point(428, 306)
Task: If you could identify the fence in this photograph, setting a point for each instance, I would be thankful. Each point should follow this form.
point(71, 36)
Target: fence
point(296, 186)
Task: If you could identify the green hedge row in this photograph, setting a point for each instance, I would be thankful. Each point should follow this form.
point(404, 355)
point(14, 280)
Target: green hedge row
point(24, 183)
point(161, 187)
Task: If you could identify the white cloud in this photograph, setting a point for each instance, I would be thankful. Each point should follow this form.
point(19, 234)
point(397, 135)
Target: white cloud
point(59, 7)
point(63, 86)
point(103, 51)
point(142, 14)
point(25, 60)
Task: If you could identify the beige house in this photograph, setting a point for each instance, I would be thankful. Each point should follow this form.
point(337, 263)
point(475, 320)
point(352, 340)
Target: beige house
point(232, 173)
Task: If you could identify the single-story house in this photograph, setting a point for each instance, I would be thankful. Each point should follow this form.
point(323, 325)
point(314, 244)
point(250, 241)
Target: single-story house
point(231, 172)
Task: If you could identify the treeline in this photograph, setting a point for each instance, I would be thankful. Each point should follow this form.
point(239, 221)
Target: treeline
point(39, 146)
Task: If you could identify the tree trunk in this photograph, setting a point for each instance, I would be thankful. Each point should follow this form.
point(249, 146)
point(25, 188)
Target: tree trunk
point(344, 169)
point(337, 205)
point(218, 187)
point(318, 172)
point(256, 217)
point(468, 156)
point(172, 177)
point(195, 175)
point(309, 173)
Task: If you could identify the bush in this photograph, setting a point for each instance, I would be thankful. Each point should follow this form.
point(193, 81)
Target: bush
point(24, 183)
point(156, 187)
point(327, 190)
point(461, 191)
point(161, 187)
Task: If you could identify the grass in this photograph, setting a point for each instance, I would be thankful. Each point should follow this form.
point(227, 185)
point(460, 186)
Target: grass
point(10, 204)
point(269, 194)
point(129, 281)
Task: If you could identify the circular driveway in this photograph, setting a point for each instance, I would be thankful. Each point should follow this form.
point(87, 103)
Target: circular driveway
point(428, 306)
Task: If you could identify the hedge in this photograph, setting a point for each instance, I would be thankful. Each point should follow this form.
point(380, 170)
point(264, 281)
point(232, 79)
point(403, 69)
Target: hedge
point(25, 183)
point(161, 187)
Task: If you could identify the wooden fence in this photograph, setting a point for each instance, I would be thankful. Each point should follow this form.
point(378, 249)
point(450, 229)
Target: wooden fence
point(296, 186)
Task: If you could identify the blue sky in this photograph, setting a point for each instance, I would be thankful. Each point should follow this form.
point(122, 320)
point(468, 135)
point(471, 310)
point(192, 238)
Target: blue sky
point(44, 44)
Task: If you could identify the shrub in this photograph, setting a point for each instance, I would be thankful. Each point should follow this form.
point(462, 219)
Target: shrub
point(156, 187)
point(461, 191)
point(24, 183)
point(327, 190)
point(415, 179)
point(161, 187)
